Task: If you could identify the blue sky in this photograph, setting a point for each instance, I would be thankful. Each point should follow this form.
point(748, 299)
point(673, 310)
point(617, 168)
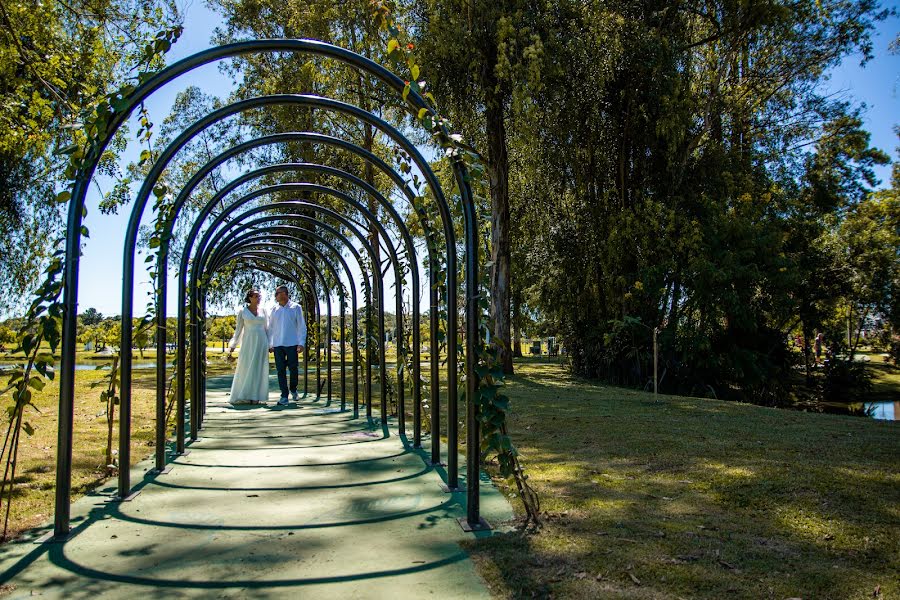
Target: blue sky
point(877, 85)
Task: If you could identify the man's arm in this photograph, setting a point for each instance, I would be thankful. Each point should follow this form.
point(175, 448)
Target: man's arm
point(301, 328)
point(270, 326)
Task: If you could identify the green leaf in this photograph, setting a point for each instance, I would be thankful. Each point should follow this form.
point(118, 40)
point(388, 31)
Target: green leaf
point(64, 196)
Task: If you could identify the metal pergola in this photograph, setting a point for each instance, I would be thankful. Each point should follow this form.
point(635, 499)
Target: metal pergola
point(302, 240)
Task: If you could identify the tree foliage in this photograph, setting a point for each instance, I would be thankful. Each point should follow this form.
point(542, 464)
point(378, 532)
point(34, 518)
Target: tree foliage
point(56, 60)
point(672, 166)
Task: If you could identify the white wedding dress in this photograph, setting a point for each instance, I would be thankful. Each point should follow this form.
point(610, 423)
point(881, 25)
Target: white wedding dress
point(251, 378)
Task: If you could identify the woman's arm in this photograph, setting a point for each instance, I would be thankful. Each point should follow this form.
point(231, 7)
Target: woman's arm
point(238, 330)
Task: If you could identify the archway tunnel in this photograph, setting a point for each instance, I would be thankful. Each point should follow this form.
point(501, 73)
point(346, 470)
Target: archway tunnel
point(331, 217)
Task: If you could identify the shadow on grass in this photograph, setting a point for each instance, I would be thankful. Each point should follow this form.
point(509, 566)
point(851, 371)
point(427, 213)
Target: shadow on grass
point(695, 498)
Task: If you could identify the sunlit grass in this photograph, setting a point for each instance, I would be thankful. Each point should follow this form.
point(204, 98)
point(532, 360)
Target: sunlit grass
point(692, 498)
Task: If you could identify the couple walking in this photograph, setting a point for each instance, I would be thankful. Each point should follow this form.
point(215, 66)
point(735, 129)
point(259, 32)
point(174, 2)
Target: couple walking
point(283, 331)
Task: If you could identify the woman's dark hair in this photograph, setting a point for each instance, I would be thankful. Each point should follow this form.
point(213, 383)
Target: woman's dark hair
point(249, 293)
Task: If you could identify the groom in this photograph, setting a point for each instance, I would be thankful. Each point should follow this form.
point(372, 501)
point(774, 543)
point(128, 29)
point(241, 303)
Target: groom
point(287, 334)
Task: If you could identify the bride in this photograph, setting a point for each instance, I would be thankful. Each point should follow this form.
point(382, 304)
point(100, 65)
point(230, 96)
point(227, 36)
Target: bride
point(251, 378)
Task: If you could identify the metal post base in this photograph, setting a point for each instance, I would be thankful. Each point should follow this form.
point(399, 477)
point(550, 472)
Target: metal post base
point(481, 525)
point(127, 498)
point(165, 470)
point(449, 490)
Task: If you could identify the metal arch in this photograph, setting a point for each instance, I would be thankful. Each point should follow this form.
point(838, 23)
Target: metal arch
point(257, 254)
point(398, 180)
point(312, 310)
point(371, 287)
point(243, 243)
point(352, 286)
point(368, 287)
point(61, 522)
point(430, 179)
point(272, 270)
point(400, 183)
point(275, 239)
point(216, 235)
point(300, 187)
point(406, 239)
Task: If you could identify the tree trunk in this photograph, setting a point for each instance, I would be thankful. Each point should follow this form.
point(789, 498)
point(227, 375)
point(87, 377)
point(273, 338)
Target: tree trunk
point(500, 252)
point(806, 355)
point(517, 325)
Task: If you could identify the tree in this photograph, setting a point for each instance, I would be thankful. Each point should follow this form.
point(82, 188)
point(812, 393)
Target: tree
point(493, 50)
point(654, 174)
point(221, 328)
point(91, 317)
point(7, 335)
point(144, 335)
point(58, 58)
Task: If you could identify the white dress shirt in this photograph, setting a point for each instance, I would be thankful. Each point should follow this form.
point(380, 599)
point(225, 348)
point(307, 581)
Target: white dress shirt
point(287, 327)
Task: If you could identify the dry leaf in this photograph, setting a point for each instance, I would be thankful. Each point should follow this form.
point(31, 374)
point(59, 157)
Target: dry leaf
point(633, 578)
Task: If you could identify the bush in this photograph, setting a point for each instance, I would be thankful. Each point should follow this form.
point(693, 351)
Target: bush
point(894, 353)
point(845, 381)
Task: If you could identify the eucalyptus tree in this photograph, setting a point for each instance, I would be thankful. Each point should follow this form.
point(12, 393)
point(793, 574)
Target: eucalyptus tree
point(345, 24)
point(483, 59)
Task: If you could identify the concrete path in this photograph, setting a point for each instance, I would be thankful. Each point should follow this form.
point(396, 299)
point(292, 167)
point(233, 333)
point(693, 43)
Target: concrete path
point(271, 502)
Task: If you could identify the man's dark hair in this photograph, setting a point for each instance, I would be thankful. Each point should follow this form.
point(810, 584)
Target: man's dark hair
point(282, 287)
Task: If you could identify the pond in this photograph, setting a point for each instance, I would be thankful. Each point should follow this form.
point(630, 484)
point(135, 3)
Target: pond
point(888, 411)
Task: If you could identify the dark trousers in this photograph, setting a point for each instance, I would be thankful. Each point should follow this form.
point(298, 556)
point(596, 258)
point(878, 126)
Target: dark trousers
point(286, 357)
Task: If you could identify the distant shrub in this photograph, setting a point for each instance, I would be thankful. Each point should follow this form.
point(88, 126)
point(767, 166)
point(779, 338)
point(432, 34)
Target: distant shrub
point(845, 381)
point(894, 353)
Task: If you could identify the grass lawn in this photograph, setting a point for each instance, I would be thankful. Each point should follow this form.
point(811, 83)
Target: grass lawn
point(691, 498)
point(36, 472)
point(885, 378)
point(681, 498)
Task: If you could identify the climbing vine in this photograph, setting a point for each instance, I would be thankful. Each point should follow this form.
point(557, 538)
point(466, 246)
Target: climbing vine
point(492, 404)
point(42, 326)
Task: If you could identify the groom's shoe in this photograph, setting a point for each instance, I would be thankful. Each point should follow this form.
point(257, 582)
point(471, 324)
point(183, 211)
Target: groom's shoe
point(295, 396)
point(282, 401)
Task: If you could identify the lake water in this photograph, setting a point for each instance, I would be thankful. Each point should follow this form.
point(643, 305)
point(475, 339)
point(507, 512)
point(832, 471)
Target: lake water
point(888, 411)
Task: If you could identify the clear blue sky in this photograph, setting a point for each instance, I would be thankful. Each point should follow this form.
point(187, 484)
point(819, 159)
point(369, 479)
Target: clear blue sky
point(877, 85)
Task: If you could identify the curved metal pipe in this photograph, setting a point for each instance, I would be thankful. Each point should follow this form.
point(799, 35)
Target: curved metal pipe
point(330, 213)
point(61, 524)
point(244, 242)
point(216, 235)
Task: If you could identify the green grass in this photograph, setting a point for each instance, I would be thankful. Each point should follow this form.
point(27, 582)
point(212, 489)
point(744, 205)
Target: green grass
point(885, 378)
point(695, 498)
point(681, 498)
point(35, 479)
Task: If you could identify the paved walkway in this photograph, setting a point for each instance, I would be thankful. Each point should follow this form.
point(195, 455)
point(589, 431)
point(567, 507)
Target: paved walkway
point(301, 501)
